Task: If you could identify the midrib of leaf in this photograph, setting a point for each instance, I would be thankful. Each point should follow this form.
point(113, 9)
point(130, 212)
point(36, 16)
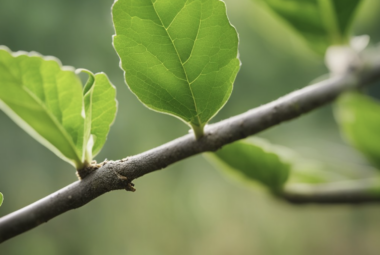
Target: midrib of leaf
point(179, 58)
point(331, 21)
point(88, 125)
point(87, 91)
point(55, 121)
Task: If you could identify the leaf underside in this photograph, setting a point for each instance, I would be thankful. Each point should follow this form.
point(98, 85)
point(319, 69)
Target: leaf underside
point(359, 118)
point(179, 57)
point(46, 100)
point(252, 161)
point(321, 22)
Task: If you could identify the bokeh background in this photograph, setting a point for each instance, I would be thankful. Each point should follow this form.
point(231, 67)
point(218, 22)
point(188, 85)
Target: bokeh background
point(190, 207)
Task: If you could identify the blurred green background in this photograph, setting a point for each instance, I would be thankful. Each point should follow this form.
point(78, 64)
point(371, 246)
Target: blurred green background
point(190, 207)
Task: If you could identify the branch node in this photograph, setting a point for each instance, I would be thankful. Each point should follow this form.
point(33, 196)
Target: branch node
point(121, 177)
point(83, 173)
point(124, 159)
point(129, 185)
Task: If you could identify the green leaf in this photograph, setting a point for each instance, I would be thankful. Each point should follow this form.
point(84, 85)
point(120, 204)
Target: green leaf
point(1, 198)
point(254, 160)
point(321, 22)
point(179, 57)
point(359, 118)
point(100, 109)
point(46, 100)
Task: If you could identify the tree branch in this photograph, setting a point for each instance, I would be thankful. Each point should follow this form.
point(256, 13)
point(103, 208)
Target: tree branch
point(343, 192)
point(114, 175)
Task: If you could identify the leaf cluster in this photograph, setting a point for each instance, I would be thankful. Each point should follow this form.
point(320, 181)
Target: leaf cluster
point(179, 58)
point(49, 102)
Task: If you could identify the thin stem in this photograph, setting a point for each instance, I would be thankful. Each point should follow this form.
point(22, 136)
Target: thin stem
point(352, 191)
point(198, 131)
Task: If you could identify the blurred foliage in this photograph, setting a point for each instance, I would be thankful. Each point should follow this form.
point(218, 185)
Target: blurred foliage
point(359, 119)
point(253, 160)
point(188, 208)
point(320, 22)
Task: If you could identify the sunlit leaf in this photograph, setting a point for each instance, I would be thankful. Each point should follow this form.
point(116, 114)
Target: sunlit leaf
point(100, 108)
point(179, 57)
point(47, 101)
point(1, 198)
point(359, 118)
point(254, 160)
point(321, 22)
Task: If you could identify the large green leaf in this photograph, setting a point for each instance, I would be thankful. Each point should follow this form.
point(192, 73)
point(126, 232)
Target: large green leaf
point(47, 101)
point(254, 160)
point(179, 57)
point(359, 118)
point(1, 198)
point(321, 22)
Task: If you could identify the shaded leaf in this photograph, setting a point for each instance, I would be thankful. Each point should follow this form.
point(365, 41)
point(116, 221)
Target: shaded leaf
point(179, 57)
point(312, 171)
point(359, 118)
point(46, 100)
point(254, 160)
point(321, 22)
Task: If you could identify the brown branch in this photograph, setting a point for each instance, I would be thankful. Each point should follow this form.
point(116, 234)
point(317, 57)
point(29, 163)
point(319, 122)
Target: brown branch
point(114, 175)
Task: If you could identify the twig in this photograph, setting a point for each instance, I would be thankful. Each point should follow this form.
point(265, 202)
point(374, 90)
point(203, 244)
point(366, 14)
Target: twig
point(343, 192)
point(216, 135)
